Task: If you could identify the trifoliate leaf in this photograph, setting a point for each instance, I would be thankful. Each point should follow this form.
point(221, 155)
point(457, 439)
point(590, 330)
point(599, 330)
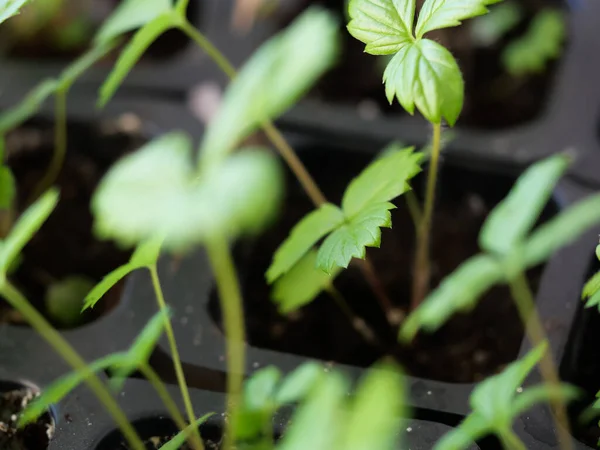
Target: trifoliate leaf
point(437, 14)
point(384, 25)
point(542, 43)
point(508, 224)
point(302, 284)
point(154, 192)
point(382, 181)
point(65, 297)
point(9, 8)
point(29, 106)
point(489, 29)
point(459, 291)
point(177, 441)
point(424, 74)
point(562, 230)
point(349, 240)
point(303, 237)
point(133, 52)
point(28, 224)
point(274, 78)
point(129, 15)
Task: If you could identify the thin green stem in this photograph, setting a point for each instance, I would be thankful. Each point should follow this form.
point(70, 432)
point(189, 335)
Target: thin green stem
point(208, 47)
point(197, 440)
point(60, 145)
point(64, 349)
point(523, 297)
point(510, 441)
point(422, 267)
point(233, 318)
point(414, 209)
point(162, 392)
point(181, 7)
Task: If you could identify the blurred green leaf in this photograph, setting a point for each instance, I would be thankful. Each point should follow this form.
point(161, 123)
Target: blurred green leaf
point(26, 226)
point(275, 77)
point(15, 116)
point(489, 29)
point(591, 291)
point(508, 224)
point(133, 52)
point(8, 188)
point(302, 284)
point(130, 15)
point(303, 236)
point(9, 8)
point(470, 429)
point(542, 43)
point(298, 384)
point(260, 388)
point(179, 439)
point(65, 298)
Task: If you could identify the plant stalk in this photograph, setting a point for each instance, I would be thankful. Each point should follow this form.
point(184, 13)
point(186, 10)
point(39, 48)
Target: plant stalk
point(60, 145)
point(64, 349)
point(233, 318)
point(523, 297)
point(208, 47)
point(510, 441)
point(422, 268)
point(414, 209)
point(195, 437)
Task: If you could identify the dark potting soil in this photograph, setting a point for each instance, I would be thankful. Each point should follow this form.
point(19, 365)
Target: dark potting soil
point(468, 348)
point(493, 99)
point(65, 244)
point(581, 366)
point(35, 436)
point(43, 43)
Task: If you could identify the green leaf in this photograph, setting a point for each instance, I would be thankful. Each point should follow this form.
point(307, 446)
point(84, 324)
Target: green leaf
point(303, 236)
point(297, 385)
point(147, 253)
point(379, 402)
point(130, 15)
point(542, 43)
point(9, 8)
point(541, 394)
point(98, 291)
point(562, 230)
point(64, 299)
point(424, 74)
point(591, 287)
point(594, 300)
point(155, 193)
point(179, 439)
point(385, 26)
point(83, 63)
point(459, 291)
point(508, 224)
point(469, 430)
point(302, 284)
point(437, 14)
point(133, 51)
point(58, 389)
point(8, 189)
point(28, 224)
point(318, 421)
point(15, 116)
point(489, 29)
point(349, 240)
point(260, 388)
point(141, 349)
point(382, 181)
point(274, 78)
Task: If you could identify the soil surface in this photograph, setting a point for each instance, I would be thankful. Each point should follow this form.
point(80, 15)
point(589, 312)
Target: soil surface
point(493, 99)
point(468, 348)
point(35, 436)
point(65, 245)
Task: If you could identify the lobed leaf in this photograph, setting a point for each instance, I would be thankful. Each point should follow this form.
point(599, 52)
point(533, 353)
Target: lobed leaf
point(509, 223)
point(26, 226)
point(274, 78)
point(350, 240)
point(459, 291)
point(15, 116)
point(9, 8)
point(98, 291)
point(437, 14)
point(562, 230)
point(382, 181)
point(130, 15)
point(542, 43)
point(424, 74)
point(303, 236)
point(385, 26)
point(179, 439)
point(302, 284)
point(133, 51)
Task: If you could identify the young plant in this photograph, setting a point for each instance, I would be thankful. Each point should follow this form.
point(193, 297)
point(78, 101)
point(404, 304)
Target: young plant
point(498, 400)
point(421, 74)
point(509, 250)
